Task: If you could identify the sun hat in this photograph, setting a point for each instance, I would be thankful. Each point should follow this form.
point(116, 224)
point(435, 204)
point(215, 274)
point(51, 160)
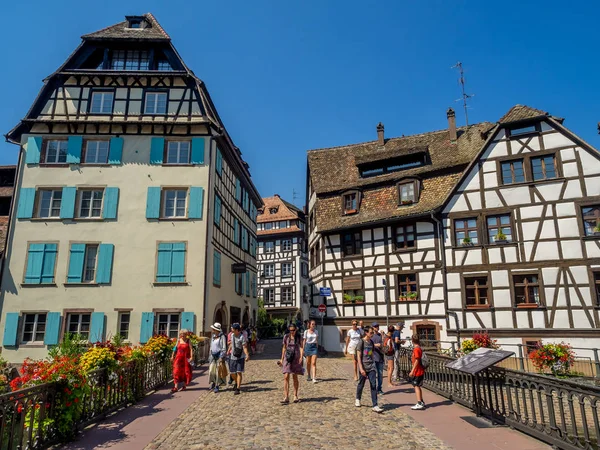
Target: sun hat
point(216, 326)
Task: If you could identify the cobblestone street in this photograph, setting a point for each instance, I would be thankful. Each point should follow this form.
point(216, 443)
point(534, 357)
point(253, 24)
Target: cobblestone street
point(325, 418)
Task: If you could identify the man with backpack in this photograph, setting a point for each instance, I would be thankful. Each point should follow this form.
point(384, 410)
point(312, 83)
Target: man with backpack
point(417, 373)
point(378, 356)
point(366, 369)
point(237, 349)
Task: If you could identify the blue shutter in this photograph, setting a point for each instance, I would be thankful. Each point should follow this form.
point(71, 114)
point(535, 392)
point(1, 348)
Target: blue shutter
point(34, 150)
point(76, 260)
point(217, 269)
point(254, 287)
point(111, 201)
point(52, 328)
point(49, 261)
point(236, 231)
point(244, 238)
point(147, 328)
point(217, 217)
point(11, 325)
point(197, 150)
point(196, 203)
point(178, 263)
point(187, 321)
point(219, 162)
point(67, 204)
point(35, 261)
point(163, 264)
point(74, 149)
point(153, 203)
point(247, 284)
point(238, 190)
point(26, 202)
point(157, 149)
point(97, 327)
point(105, 261)
point(246, 198)
point(115, 152)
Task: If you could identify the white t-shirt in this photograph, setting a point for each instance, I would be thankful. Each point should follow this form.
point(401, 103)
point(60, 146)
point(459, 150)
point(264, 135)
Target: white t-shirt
point(310, 338)
point(354, 336)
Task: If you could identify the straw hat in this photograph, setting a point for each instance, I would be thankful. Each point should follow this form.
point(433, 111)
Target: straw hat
point(216, 327)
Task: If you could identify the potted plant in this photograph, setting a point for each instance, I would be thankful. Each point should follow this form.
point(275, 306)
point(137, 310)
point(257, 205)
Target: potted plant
point(359, 299)
point(413, 295)
point(466, 242)
point(597, 230)
point(347, 298)
point(403, 296)
point(500, 238)
point(556, 358)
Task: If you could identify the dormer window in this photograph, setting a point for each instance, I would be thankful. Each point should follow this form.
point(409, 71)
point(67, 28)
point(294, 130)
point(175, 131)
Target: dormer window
point(350, 202)
point(389, 165)
point(273, 210)
point(130, 60)
point(408, 192)
point(523, 129)
point(135, 23)
point(260, 212)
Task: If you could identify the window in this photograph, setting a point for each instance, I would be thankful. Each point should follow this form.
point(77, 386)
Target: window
point(404, 237)
point(269, 271)
point(269, 247)
point(286, 245)
point(408, 193)
point(523, 130)
point(217, 268)
point(239, 283)
point(287, 294)
point(41, 260)
point(351, 203)
point(163, 65)
point(174, 203)
point(102, 102)
point(284, 224)
point(268, 225)
point(591, 220)
point(178, 152)
point(90, 203)
point(49, 202)
point(168, 325)
point(465, 231)
point(353, 296)
point(273, 210)
point(269, 296)
point(543, 168)
point(318, 253)
point(427, 335)
point(89, 266)
point(351, 244)
point(476, 289)
point(499, 228)
point(527, 290)
point(124, 320)
point(96, 152)
point(286, 269)
point(304, 268)
point(34, 328)
point(170, 264)
point(79, 323)
point(407, 287)
point(512, 171)
point(56, 152)
point(156, 103)
point(135, 23)
point(597, 286)
point(130, 60)
point(375, 168)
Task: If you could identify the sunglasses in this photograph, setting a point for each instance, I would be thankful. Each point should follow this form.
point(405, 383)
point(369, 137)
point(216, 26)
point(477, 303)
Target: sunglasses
point(292, 329)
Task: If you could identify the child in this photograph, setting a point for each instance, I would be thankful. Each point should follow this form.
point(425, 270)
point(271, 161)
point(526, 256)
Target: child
point(417, 372)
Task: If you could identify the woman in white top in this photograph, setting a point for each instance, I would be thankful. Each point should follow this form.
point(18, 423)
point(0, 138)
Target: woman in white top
point(311, 347)
point(352, 340)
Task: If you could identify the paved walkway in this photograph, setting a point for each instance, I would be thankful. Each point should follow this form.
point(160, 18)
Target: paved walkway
point(326, 417)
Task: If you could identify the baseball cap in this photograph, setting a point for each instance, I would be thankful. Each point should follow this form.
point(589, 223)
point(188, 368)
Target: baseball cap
point(236, 326)
point(375, 324)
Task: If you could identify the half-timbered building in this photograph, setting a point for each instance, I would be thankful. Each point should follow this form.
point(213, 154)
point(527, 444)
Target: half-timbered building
point(129, 196)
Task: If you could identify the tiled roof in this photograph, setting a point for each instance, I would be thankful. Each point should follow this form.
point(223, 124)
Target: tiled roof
point(121, 31)
point(285, 210)
point(3, 227)
point(264, 233)
point(521, 112)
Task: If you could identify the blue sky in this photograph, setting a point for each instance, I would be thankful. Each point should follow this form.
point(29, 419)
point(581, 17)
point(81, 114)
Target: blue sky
point(289, 76)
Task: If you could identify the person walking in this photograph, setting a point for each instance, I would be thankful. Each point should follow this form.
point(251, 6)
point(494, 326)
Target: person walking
point(352, 339)
point(311, 348)
point(361, 329)
point(366, 365)
point(389, 352)
point(237, 349)
point(182, 367)
point(417, 372)
point(397, 337)
point(378, 356)
point(218, 349)
point(253, 339)
point(230, 381)
point(291, 363)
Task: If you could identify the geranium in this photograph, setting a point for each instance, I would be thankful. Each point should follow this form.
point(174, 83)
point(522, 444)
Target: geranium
point(558, 358)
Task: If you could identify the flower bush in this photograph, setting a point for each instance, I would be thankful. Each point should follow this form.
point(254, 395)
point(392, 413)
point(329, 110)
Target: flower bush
point(161, 346)
point(558, 358)
point(479, 340)
point(97, 358)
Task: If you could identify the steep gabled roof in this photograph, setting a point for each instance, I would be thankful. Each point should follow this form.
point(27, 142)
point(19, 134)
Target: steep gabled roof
point(121, 31)
point(522, 112)
point(285, 210)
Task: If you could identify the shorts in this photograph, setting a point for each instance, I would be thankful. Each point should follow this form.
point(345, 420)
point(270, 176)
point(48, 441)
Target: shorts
point(237, 365)
point(351, 350)
point(417, 381)
point(310, 350)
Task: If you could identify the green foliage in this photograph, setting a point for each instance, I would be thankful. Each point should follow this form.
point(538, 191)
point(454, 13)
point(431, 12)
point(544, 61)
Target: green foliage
point(479, 340)
point(500, 236)
point(558, 358)
point(72, 346)
point(261, 317)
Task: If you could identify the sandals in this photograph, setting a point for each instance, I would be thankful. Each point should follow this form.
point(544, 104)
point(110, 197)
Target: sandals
point(296, 400)
point(183, 388)
point(173, 390)
point(285, 401)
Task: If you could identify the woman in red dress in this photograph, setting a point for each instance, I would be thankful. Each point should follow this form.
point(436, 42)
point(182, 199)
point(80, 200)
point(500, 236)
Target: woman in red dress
point(182, 369)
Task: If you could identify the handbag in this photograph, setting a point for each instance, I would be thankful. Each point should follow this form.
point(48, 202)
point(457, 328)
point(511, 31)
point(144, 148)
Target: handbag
point(222, 370)
point(290, 352)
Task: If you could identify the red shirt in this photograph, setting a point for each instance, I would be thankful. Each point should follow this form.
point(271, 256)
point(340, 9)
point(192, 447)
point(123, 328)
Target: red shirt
point(418, 354)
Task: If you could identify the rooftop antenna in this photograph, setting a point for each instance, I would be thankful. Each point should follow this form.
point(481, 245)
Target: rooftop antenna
point(294, 196)
point(465, 96)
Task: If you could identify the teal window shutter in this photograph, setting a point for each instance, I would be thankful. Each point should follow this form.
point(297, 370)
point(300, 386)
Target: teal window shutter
point(157, 150)
point(11, 326)
point(115, 152)
point(247, 284)
point(219, 162)
point(34, 150)
point(147, 327)
point(74, 149)
point(50, 251)
point(26, 202)
point(236, 231)
point(153, 203)
point(97, 327)
point(52, 328)
point(196, 203)
point(197, 150)
point(217, 217)
point(111, 201)
point(238, 190)
point(105, 262)
point(244, 238)
point(187, 321)
point(76, 260)
point(163, 263)
point(67, 204)
point(171, 262)
point(217, 269)
point(41, 259)
point(178, 263)
point(254, 285)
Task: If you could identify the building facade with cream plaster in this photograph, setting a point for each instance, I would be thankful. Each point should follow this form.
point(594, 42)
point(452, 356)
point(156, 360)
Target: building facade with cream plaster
point(128, 187)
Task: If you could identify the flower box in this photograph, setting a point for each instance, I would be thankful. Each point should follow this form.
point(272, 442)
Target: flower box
point(406, 202)
point(467, 244)
point(500, 241)
point(528, 305)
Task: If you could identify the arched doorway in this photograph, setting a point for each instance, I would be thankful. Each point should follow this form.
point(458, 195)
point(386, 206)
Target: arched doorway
point(221, 317)
point(246, 318)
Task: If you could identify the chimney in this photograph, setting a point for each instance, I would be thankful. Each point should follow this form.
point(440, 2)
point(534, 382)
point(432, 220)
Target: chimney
point(451, 125)
point(380, 137)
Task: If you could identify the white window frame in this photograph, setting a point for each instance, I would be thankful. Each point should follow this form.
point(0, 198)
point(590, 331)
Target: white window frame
point(269, 299)
point(178, 152)
point(59, 143)
point(169, 323)
point(106, 105)
point(96, 150)
point(155, 110)
point(163, 208)
point(120, 324)
point(290, 291)
point(80, 194)
point(409, 189)
point(284, 267)
point(271, 248)
point(269, 273)
point(52, 206)
point(284, 245)
point(79, 324)
point(35, 330)
point(87, 267)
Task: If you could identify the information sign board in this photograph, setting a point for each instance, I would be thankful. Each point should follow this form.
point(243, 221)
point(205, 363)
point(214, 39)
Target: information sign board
point(479, 360)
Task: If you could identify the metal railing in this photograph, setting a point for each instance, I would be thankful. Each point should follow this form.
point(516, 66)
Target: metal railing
point(201, 352)
point(561, 413)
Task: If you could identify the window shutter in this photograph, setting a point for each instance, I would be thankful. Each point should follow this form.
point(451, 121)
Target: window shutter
point(219, 162)
point(196, 202)
point(34, 150)
point(76, 260)
point(153, 203)
point(242, 278)
point(97, 327)
point(67, 204)
point(147, 327)
point(178, 263)
point(217, 217)
point(236, 231)
point(157, 149)
point(217, 268)
point(35, 260)
point(26, 202)
point(74, 149)
point(47, 275)
point(111, 201)
point(197, 150)
point(244, 239)
point(254, 285)
point(247, 284)
point(163, 264)
point(187, 321)
point(238, 190)
point(105, 262)
point(352, 283)
point(52, 328)
point(11, 327)
point(115, 152)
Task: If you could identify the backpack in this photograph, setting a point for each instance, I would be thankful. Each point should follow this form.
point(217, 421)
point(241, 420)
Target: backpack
point(388, 346)
point(425, 361)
